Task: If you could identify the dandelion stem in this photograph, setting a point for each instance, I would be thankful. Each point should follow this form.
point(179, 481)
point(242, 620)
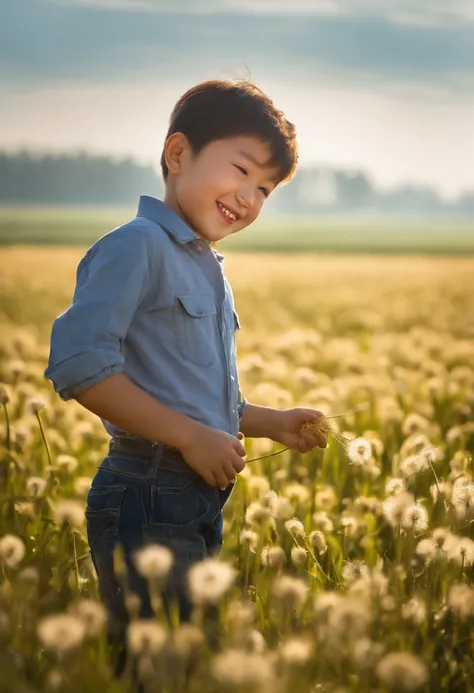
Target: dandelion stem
point(7, 423)
point(43, 434)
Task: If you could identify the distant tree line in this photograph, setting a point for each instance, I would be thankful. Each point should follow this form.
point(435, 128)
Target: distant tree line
point(86, 179)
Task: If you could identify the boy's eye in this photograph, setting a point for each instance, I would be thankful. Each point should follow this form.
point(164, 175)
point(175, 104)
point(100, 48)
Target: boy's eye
point(244, 171)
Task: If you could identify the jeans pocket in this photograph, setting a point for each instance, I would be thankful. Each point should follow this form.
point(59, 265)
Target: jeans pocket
point(176, 500)
point(103, 510)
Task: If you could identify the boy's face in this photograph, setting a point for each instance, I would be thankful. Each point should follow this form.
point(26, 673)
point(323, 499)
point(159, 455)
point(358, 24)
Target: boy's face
point(222, 189)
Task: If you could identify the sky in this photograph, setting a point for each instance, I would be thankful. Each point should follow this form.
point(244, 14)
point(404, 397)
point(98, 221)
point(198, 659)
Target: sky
point(384, 86)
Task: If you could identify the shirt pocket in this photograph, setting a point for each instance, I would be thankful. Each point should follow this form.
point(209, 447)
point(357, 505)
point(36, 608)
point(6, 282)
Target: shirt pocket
point(196, 328)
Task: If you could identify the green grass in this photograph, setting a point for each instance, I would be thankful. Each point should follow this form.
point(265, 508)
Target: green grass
point(82, 226)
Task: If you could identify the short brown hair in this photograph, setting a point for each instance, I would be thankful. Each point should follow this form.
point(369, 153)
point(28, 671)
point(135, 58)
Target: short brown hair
point(216, 109)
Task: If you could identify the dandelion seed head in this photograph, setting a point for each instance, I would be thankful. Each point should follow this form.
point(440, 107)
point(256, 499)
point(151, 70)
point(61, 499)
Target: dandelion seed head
point(353, 570)
point(415, 423)
point(12, 550)
point(290, 590)
point(296, 651)
point(188, 639)
point(460, 550)
point(66, 463)
point(256, 514)
point(359, 451)
point(297, 493)
point(349, 618)
point(92, 614)
point(240, 615)
point(258, 485)
point(323, 522)
point(394, 507)
point(428, 550)
point(324, 602)
point(415, 517)
point(61, 632)
point(299, 555)
point(366, 653)
point(273, 556)
point(414, 611)
point(69, 511)
point(283, 509)
point(209, 580)
point(460, 600)
point(325, 498)
point(402, 671)
point(35, 486)
point(145, 637)
point(35, 405)
point(242, 669)
point(318, 541)
point(249, 537)
point(82, 485)
point(295, 527)
point(153, 562)
point(4, 395)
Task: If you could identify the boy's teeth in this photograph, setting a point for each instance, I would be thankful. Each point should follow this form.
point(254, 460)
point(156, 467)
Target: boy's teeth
point(227, 213)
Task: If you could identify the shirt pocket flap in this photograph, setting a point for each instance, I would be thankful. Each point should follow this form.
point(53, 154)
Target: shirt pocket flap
point(197, 306)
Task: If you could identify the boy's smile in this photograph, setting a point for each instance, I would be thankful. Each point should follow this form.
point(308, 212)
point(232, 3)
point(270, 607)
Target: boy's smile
point(221, 190)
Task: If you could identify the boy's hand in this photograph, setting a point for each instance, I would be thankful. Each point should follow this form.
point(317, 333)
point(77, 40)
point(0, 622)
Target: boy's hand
point(287, 429)
point(215, 455)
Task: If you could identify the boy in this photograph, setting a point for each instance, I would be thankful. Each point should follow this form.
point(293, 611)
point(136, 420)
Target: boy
point(148, 344)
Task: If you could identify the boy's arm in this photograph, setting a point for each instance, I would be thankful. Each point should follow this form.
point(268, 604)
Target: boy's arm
point(284, 426)
point(259, 422)
point(120, 401)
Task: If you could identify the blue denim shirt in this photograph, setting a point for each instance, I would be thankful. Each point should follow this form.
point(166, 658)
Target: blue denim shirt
point(152, 300)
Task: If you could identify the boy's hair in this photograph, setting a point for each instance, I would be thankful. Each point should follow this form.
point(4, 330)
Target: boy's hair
point(217, 109)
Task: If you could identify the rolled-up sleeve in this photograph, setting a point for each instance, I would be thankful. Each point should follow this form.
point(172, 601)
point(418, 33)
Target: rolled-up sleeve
point(86, 340)
point(241, 405)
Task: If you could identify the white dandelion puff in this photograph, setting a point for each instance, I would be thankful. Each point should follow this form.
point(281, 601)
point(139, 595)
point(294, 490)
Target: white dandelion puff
point(402, 671)
point(35, 486)
point(209, 580)
point(415, 517)
point(318, 541)
point(460, 600)
point(353, 570)
point(12, 550)
point(298, 555)
point(92, 614)
point(145, 637)
point(295, 527)
point(428, 550)
point(273, 556)
point(395, 485)
point(61, 632)
point(290, 590)
point(296, 651)
point(242, 669)
point(359, 451)
point(70, 512)
point(154, 562)
point(257, 514)
point(66, 463)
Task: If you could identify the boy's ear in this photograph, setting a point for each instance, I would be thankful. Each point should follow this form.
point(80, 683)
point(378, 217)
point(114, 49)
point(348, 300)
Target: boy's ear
point(177, 152)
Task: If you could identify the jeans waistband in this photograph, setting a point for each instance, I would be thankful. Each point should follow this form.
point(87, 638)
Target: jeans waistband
point(144, 457)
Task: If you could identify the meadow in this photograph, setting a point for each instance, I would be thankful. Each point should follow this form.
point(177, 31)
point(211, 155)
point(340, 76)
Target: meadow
point(336, 233)
point(343, 570)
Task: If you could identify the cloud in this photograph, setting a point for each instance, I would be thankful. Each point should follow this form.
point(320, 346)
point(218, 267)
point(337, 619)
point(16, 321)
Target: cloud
point(54, 43)
point(416, 12)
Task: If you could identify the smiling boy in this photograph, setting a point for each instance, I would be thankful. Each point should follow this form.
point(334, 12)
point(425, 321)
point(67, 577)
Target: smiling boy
point(148, 344)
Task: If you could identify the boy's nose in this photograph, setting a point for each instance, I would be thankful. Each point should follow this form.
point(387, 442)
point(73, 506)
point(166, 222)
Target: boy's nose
point(245, 198)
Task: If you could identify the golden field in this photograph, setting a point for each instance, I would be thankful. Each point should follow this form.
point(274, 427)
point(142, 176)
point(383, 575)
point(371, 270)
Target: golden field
point(353, 568)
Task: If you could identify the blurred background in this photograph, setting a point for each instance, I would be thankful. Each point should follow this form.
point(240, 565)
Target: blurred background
point(382, 96)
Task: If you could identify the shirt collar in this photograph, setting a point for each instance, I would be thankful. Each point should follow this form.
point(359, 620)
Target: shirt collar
point(156, 210)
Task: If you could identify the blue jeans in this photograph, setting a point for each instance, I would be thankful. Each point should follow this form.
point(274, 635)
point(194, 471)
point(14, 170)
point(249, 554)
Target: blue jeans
point(144, 493)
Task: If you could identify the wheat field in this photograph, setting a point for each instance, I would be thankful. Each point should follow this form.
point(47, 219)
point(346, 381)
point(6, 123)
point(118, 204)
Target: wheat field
point(344, 570)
